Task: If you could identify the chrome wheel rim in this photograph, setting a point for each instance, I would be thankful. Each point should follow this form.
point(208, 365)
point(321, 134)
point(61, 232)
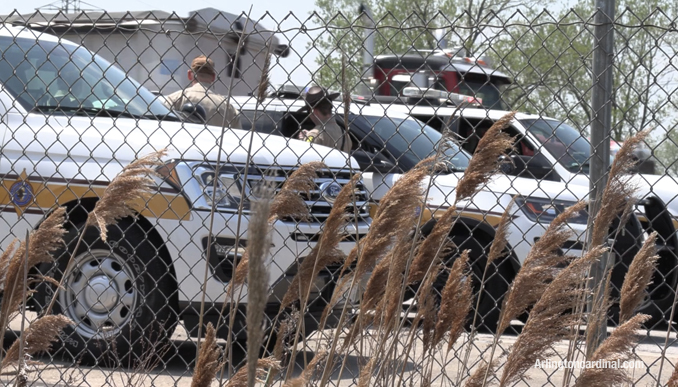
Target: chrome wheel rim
point(100, 294)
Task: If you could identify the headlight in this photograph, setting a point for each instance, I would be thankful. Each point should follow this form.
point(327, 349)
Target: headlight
point(545, 210)
point(228, 190)
point(196, 181)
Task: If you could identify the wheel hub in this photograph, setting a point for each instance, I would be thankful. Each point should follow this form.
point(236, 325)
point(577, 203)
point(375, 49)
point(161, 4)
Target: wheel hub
point(101, 293)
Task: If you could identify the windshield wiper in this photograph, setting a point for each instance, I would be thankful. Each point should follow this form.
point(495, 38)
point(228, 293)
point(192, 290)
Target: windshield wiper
point(86, 110)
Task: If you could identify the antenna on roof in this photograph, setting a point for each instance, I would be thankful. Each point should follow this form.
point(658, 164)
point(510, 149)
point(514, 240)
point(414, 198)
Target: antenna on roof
point(69, 6)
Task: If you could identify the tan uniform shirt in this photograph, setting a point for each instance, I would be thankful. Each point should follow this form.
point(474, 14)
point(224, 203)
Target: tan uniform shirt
point(215, 105)
point(330, 134)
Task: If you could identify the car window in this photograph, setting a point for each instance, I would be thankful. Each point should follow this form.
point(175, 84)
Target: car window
point(265, 122)
point(562, 141)
point(409, 141)
point(45, 76)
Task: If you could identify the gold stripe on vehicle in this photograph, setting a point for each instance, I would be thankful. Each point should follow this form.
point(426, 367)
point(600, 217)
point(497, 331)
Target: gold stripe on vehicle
point(46, 196)
point(492, 220)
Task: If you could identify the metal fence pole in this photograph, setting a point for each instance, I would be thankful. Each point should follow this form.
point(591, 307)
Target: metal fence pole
point(601, 103)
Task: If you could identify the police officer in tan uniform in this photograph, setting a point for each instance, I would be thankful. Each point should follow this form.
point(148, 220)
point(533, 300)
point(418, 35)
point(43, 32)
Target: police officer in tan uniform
point(326, 131)
point(202, 75)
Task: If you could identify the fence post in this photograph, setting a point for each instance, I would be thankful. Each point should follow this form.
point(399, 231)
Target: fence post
point(601, 104)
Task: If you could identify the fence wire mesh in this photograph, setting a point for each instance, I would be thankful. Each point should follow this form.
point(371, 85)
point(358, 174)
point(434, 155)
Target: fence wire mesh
point(399, 279)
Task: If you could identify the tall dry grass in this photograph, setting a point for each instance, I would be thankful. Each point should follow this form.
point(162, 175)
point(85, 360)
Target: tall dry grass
point(286, 203)
point(549, 320)
point(457, 296)
point(130, 188)
point(484, 163)
point(15, 263)
point(673, 380)
point(616, 348)
point(538, 270)
point(209, 360)
point(638, 278)
point(259, 245)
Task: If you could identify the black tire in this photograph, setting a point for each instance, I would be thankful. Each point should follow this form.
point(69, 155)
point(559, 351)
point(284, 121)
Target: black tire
point(112, 325)
point(659, 298)
point(496, 281)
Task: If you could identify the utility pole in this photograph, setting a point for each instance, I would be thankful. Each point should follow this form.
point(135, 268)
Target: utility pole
point(601, 103)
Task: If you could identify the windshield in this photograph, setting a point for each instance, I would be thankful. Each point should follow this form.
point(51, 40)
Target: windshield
point(66, 79)
point(410, 141)
point(564, 142)
point(490, 93)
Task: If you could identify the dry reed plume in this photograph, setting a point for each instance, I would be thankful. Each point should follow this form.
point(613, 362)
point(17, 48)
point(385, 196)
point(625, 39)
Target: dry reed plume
point(41, 243)
point(129, 186)
point(597, 316)
point(436, 244)
point(386, 277)
point(638, 278)
point(259, 244)
point(286, 203)
point(393, 219)
point(477, 378)
point(38, 337)
point(617, 200)
point(389, 305)
point(673, 381)
point(325, 252)
point(538, 269)
point(287, 328)
point(366, 373)
point(617, 347)
point(264, 81)
point(208, 362)
point(549, 320)
point(618, 193)
point(484, 162)
point(307, 374)
point(240, 377)
point(456, 299)
point(500, 237)
point(426, 310)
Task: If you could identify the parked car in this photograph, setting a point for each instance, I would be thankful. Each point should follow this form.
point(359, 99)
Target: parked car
point(69, 122)
point(387, 143)
point(548, 150)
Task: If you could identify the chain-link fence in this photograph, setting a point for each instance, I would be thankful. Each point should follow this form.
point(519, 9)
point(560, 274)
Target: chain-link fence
point(455, 235)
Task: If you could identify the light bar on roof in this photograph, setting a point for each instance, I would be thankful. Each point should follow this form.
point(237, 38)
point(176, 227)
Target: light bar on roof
point(457, 99)
point(416, 92)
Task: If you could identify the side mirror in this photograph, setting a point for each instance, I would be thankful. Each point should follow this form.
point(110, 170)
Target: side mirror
point(533, 167)
point(196, 113)
point(371, 162)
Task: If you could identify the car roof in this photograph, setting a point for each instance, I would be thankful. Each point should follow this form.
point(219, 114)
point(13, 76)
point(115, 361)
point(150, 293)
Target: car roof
point(7, 30)
point(467, 112)
point(293, 105)
point(393, 110)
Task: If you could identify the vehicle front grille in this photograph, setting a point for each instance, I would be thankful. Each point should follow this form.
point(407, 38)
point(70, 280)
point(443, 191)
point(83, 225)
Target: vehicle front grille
point(318, 206)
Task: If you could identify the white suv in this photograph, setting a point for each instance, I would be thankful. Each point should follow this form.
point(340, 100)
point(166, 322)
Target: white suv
point(388, 143)
point(550, 151)
point(69, 122)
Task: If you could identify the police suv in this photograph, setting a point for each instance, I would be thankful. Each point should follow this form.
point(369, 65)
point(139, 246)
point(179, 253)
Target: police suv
point(69, 122)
